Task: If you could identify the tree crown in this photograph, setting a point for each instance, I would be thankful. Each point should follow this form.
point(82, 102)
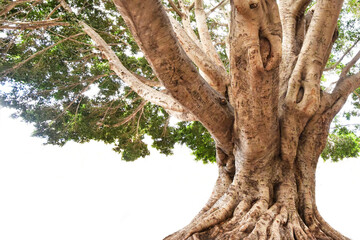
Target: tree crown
point(56, 77)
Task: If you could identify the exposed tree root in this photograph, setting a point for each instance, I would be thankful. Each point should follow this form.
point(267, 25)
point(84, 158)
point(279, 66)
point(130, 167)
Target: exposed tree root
point(258, 219)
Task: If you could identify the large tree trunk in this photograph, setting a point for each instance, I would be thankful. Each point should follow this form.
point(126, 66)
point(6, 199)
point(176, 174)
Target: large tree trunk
point(267, 114)
point(265, 197)
point(272, 121)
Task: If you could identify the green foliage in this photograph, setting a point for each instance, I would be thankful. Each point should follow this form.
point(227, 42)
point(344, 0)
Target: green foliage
point(342, 143)
point(195, 136)
point(70, 93)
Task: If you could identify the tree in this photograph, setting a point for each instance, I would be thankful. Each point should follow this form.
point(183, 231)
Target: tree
point(248, 73)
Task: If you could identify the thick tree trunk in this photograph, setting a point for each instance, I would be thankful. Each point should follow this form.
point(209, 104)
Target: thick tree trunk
point(268, 116)
point(266, 198)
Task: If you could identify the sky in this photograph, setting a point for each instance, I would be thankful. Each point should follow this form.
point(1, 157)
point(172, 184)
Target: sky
point(86, 192)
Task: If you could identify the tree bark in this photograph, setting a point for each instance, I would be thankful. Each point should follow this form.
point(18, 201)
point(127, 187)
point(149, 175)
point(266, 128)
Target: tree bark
point(274, 120)
point(267, 114)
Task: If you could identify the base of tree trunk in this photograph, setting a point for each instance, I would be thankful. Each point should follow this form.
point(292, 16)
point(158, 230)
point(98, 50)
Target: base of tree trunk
point(257, 207)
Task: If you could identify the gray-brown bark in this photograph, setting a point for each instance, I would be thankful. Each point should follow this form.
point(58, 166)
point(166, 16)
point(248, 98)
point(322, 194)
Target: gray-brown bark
point(268, 115)
point(270, 138)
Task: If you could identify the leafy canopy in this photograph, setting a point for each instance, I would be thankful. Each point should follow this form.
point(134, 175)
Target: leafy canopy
point(56, 78)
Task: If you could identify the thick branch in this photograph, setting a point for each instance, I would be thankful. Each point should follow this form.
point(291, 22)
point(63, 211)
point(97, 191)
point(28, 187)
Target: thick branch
point(345, 86)
point(307, 72)
point(303, 95)
point(130, 79)
point(143, 90)
point(31, 25)
point(217, 75)
point(294, 29)
point(185, 19)
point(204, 34)
point(152, 30)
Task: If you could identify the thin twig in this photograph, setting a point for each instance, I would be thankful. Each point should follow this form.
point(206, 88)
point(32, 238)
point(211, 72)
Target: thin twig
point(6, 72)
point(348, 66)
point(175, 8)
point(131, 116)
point(10, 6)
point(79, 95)
point(53, 11)
point(217, 6)
point(342, 57)
point(73, 40)
point(138, 123)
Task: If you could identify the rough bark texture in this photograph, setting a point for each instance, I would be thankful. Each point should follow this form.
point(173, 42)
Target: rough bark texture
point(269, 117)
point(267, 114)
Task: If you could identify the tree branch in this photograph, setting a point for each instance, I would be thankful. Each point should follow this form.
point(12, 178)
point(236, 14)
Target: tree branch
point(307, 72)
point(31, 25)
point(6, 72)
point(155, 36)
point(10, 6)
point(53, 11)
point(73, 40)
point(204, 34)
point(342, 57)
point(143, 90)
point(223, 2)
point(186, 21)
point(217, 76)
point(345, 86)
point(132, 115)
point(148, 82)
point(175, 8)
point(350, 64)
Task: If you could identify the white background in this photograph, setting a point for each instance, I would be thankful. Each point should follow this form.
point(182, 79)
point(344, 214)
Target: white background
point(85, 192)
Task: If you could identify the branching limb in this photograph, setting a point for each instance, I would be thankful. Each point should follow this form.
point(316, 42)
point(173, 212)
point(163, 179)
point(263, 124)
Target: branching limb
point(350, 64)
point(132, 115)
point(142, 89)
point(303, 92)
point(217, 76)
point(155, 36)
point(342, 57)
point(13, 4)
point(6, 72)
point(148, 82)
point(312, 57)
point(186, 21)
point(204, 33)
point(294, 30)
point(220, 4)
point(290, 10)
point(53, 11)
point(31, 25)
point(175, 8)
point(345, 86)
point(130, 79)
point(73, 40)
